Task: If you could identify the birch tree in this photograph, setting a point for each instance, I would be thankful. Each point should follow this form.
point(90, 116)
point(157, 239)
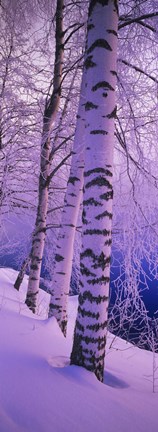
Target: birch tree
point(100, 110)
point(48, 121)
point(65, 242)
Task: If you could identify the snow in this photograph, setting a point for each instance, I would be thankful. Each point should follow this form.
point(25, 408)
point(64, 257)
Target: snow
point(41, 392)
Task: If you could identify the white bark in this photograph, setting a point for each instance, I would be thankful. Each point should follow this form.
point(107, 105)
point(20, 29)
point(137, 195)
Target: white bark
point(38, 241)
point(65, 243)
point(100, 110)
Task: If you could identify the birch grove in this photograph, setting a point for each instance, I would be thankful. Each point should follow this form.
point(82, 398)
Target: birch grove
point(35, 190)
point(100, 110)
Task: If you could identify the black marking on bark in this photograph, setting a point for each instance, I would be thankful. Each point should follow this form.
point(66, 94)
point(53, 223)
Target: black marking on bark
point(87, 295)
point(107, 195)
point(36, 240)
point(59, 258)
point(84, 220)
point(92, 201)
point(89, 63)
point(76, 355)
point(72, 194)
point(70, 225)
point(92, 363)
point(102, 261)
point(86, 313)
point(112, 114)
point(108, 242)
point(68, 205)
point(90, 26)
point(99, 281)
point(99, 43)
point(88, 340)
point(61, 273)
point(34, 267)
point(90, 105)
point(80, 283)
point(73, 179)
point(78, 116)
point(79, 326)
point(104, 214)
point(96, 327)
point(99, 260)
point(98, 132)
point(116, 6)
point(100, 182)
point(104, 95)
point(53, 306)
point(95, 231)
point(63, 326)
point(112, 32)
point(102, 84)
point(31, 300)
point(87, 351)
point(113, 73)
point(98, 170)
point(85, 271)
point(94, 2)
point(37, 258)
point(88, 253)
point(93, 358)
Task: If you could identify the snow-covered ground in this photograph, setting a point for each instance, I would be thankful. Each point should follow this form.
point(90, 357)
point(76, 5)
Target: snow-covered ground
point(40, 392)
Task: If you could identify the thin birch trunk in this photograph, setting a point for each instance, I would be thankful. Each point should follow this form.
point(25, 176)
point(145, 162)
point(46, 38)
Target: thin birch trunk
point(21, 273)
point(55, 148)
point(100, 110)
point(51, 108)
point(65, 243)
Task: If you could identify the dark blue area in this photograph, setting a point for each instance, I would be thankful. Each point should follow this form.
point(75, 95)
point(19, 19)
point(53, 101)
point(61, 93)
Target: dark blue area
point(149, 296)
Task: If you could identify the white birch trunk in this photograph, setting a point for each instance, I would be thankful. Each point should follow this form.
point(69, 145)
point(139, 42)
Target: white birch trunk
point(100, 110)
point(65, 243)
point(38, 241)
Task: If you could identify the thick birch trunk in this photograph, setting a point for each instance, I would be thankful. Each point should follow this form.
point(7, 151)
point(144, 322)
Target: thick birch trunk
point(51, 108)
point(64, 250)
point(100, 110)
